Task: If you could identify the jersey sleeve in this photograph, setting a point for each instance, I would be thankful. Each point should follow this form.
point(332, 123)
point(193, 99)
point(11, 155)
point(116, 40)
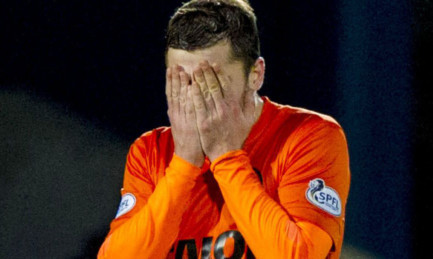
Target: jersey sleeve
point(317, 159)
point(149, 216)
point(292, 226)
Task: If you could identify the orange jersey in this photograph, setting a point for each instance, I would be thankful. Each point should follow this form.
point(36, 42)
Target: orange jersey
point(282, 196)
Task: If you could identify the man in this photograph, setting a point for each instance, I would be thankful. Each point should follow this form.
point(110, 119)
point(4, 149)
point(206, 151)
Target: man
point(236, 175)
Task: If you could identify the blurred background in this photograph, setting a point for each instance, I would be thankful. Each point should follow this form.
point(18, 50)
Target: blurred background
point(81, 80)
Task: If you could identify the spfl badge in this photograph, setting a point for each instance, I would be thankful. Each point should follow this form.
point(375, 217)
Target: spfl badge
point(324, 197)
point(126, 204)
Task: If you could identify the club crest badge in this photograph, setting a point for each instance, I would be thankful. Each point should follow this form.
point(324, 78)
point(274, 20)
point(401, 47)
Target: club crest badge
point(324, 197)
point(126, 204)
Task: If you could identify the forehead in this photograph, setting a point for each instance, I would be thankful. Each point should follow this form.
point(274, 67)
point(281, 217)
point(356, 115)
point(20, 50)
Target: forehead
point(219, 53)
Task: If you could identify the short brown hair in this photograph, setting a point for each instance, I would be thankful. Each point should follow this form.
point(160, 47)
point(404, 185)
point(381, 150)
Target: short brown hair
point(200, 24)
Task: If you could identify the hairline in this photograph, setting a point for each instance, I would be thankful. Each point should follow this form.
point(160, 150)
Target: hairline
point(231, 59)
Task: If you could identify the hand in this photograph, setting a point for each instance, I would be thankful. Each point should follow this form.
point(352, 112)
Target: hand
point(182, 116)
point(223, 122)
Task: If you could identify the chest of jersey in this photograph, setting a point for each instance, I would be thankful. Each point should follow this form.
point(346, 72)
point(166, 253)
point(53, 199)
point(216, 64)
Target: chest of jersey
point(208, 229)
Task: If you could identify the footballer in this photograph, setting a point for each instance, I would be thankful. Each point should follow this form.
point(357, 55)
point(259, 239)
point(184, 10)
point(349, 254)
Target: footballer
point(236, 175)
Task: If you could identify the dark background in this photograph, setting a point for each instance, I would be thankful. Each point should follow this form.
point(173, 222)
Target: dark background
point(80, 80)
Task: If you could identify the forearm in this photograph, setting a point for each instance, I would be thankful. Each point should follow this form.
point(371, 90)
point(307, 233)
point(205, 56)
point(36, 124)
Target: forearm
point(151, 232)
point(265, 225)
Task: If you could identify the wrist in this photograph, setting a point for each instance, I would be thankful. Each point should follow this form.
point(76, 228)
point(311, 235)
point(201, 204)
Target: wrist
point(180, 167)
point(229, 157)
point(195, 160)
point(218, 153)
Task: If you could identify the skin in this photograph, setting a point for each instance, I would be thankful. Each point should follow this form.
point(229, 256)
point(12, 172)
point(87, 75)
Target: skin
point(212, 104)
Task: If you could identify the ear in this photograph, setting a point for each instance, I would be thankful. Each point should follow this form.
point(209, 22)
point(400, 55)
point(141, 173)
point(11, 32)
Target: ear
point(257, 74)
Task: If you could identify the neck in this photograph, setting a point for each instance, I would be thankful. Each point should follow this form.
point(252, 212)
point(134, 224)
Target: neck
point(259, 107)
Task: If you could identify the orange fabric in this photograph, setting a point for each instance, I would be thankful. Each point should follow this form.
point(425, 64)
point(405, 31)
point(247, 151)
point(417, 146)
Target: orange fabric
point(248, 203)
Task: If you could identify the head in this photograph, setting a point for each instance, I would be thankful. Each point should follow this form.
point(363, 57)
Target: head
point(220, 31)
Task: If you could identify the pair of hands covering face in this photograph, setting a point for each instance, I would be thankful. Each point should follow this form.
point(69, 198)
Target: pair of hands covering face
point(205, 116)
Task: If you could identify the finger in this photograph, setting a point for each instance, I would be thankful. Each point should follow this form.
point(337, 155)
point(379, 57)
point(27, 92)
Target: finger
point(201, 81)
point(186, 78)
point(183, 94)
point(213, 84)
point(190, 111)
point(199, 103)
point(175, 88)
point(168, 88)
point(222, 78)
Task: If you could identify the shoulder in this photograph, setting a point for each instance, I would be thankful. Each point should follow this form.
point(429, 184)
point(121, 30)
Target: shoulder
point(154, 138)
point(301, 131)
point(298, 121)
point(320, 130)
point(317, 143)
point(317, 123)
point(151, 150)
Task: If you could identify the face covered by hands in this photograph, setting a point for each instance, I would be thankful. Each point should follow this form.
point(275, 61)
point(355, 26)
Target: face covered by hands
point(212, 108)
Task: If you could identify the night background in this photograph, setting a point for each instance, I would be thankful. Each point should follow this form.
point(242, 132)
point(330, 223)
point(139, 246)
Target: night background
point(81, 80)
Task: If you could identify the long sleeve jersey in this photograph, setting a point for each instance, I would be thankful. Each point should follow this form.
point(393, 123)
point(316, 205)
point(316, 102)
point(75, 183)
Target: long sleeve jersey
point(282, 196)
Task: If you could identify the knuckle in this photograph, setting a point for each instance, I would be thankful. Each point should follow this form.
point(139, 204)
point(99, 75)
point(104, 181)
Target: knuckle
point(214, 87)
point(200, 79)
point(190, 112)
point(199, 106)
point(206, 94)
